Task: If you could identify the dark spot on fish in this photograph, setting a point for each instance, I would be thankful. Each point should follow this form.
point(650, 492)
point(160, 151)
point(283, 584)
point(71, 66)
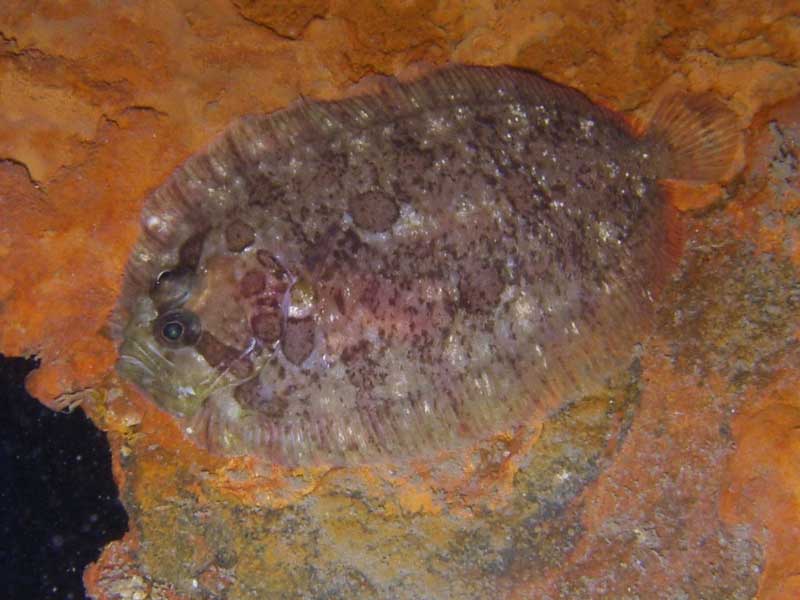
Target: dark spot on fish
point(338, 299)
point(239, 235)
point(349, 242)
point(373, 211)
point(584, 176)
point(413, 161)
point(480, 288)
point(242, 367)
point(221, 356)
point(192, 249)
point(359, 350)
point(255, 395)
point(271, 265)
point(559, 189)
point(525, 194)
point(266, 325)
point(298, 340)
point(253, 282)
point(321, 249)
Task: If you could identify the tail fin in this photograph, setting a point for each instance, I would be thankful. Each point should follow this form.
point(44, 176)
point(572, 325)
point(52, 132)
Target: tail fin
point(700, 135)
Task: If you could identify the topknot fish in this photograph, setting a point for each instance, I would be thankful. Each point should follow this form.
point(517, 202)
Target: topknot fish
point(401, 272)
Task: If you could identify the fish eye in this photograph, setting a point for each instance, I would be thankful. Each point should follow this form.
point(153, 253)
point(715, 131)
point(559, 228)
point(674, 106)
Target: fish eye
point(177, 328)
point(172, 287)
point(172, 331)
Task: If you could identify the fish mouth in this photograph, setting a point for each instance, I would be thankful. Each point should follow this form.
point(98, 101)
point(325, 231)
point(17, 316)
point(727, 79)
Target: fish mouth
point(179, 381)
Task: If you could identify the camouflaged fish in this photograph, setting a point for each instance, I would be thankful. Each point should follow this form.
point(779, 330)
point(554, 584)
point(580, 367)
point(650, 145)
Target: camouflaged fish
point(403, 272)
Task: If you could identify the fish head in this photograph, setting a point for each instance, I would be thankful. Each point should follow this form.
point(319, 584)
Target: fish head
point(190, 335)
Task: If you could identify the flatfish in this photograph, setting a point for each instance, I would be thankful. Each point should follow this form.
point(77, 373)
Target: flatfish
point(407, 271)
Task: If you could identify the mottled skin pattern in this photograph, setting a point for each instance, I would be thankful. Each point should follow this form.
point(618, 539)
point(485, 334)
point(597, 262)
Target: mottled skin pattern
point(391, 275)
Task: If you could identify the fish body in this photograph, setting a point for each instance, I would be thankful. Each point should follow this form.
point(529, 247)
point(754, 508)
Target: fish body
point(390, 275)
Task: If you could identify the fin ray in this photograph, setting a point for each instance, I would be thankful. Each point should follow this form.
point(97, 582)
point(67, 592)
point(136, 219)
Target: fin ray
point(700, 134)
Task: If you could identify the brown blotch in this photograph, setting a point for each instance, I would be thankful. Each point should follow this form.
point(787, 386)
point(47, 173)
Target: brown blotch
point(239, 235)
point(214, 351)
point(350, 243)
point(266, 325)
point(357, 351)
point(524, 194)
point(242, 366)
point(267, 260)
point(221, 356)
point(373, 211)
point(480, 288)
point(322, 248)
point(252, 394)
point(253, 282)
point(338, 299)
point(298, 340)
point(192, 249)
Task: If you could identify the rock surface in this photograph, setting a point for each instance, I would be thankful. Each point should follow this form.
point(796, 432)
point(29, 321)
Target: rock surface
point(681, 479)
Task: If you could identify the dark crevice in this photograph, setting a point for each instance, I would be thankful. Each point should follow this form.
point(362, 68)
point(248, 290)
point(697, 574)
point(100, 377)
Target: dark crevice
point(59, 505)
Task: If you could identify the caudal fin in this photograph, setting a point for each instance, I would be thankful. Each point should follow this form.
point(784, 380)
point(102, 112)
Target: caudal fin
point(700, 135)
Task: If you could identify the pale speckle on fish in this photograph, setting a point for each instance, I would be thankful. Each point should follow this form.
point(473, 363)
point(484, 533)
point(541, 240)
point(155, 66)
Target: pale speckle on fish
point(390, 275)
